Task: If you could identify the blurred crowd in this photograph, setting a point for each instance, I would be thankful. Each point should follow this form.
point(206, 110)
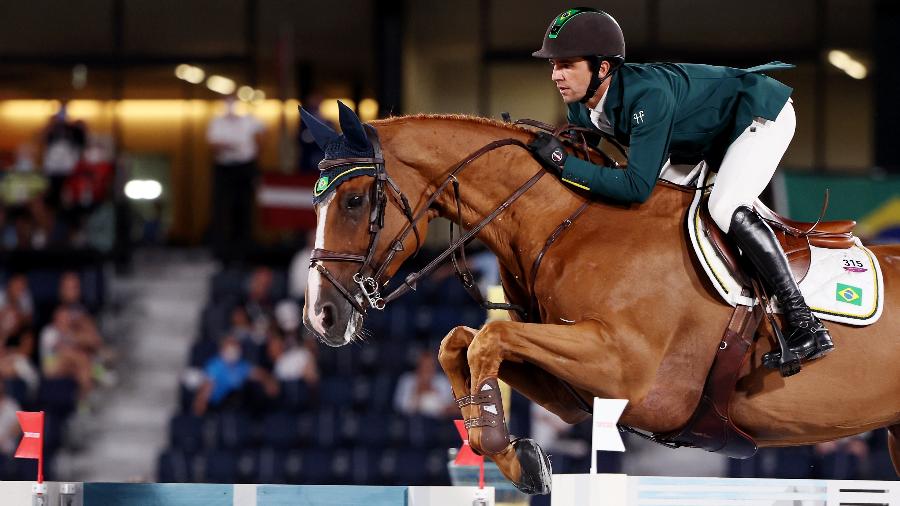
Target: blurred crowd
point(53, 192)
point(53, 356)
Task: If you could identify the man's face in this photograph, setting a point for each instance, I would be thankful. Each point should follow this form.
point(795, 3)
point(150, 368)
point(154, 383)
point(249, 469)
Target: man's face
point(572, 77)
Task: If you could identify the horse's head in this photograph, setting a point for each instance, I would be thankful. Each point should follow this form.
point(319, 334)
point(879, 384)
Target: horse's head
point(360, 236)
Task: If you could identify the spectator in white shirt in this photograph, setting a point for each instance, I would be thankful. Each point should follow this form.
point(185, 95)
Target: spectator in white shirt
point(235, 141)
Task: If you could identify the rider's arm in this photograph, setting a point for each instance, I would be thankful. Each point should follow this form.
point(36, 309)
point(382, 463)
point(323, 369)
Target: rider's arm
point(651, 131)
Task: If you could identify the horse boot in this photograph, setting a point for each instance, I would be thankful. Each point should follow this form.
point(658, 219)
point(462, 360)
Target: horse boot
point(536, 474)
point(808, 338)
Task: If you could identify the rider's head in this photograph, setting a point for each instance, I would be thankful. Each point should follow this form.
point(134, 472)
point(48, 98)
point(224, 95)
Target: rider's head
point(585, 46)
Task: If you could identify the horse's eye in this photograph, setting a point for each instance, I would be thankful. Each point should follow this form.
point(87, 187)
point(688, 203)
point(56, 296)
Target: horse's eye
point(354, 201)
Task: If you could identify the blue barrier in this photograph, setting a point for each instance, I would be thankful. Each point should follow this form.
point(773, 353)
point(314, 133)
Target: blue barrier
point(190, 494)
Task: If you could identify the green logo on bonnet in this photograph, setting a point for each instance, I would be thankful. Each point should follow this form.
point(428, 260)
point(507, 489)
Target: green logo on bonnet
point(321, 185)
point(561, 20)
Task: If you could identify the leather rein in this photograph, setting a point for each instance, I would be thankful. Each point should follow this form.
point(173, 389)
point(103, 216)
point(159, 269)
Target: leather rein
point(368, 276)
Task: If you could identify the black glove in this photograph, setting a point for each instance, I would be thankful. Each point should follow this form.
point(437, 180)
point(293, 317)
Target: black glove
point(549, 151)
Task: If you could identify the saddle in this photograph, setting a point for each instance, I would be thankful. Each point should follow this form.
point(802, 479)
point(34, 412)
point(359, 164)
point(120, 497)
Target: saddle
point(710, 426)
point(795, 238)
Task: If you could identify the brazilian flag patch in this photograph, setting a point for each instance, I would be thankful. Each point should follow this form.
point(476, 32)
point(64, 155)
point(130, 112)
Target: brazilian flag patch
point(330, 179)
point(849, 294)
point(564, 18)
point(321, 185)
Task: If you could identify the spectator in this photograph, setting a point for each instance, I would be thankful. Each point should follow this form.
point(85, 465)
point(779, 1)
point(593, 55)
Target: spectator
point(15, 361)
point(22, 183)
point(48, 231)
point(235, 141)
point(69, 292)
point(16, 306)
point(68, 346)
point(556, 435)
point(258, 303)
point(64, 142)
point(226, 376)
point(9, 424)
point(291, 361)
point(423, 391)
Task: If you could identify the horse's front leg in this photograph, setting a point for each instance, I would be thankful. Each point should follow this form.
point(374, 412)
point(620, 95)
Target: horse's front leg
point(581, 355)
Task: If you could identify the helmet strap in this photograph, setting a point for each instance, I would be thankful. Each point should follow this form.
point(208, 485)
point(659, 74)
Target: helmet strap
point(596, 81)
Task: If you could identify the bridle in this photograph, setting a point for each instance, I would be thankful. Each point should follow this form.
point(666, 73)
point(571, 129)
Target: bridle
point(368, 277)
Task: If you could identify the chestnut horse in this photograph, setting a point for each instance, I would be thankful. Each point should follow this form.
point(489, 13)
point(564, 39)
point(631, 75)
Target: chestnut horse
point(626, 311)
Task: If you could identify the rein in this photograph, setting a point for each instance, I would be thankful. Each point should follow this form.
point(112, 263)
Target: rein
point(369, 284)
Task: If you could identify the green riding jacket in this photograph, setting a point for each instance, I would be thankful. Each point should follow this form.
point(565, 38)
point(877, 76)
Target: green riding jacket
point(660, 109)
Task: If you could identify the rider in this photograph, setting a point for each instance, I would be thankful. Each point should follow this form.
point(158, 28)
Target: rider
point(738, 120)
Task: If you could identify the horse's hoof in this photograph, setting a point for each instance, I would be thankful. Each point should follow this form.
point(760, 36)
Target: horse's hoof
point(536, 471)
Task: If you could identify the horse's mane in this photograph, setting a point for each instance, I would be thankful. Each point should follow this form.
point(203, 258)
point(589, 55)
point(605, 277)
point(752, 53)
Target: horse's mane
point(454, 117)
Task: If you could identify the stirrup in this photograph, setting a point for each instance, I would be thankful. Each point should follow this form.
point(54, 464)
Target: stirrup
point(788, 362)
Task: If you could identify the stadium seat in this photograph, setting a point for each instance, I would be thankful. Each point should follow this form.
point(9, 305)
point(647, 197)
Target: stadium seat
point(186, 433)
point(270, 466)
point(219, 466)
point(295, 396)
point(280, 430)
point(174, 466)
point(234, 430)
point(337, 392)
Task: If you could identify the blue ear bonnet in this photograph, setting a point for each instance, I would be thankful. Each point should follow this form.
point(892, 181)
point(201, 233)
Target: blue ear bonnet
point(341, 148)
point(352, 143)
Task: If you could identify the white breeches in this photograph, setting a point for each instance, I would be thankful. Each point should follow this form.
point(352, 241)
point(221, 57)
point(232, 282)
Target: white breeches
point(749, 164)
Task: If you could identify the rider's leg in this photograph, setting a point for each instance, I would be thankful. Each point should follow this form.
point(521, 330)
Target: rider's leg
point(746, 169)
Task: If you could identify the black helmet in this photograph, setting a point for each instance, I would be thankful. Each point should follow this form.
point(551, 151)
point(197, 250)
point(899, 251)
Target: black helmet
point(581, 32)
point(586, 33)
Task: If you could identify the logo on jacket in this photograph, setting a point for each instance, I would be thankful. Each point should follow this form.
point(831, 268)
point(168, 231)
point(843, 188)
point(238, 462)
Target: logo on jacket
point(556, 155)
point(638, 117)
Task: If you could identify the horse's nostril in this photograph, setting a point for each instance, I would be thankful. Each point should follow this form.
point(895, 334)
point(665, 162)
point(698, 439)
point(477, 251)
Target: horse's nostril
point(328, 312)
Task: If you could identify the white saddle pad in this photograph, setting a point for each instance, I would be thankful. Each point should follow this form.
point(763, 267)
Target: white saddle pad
point(843, 285)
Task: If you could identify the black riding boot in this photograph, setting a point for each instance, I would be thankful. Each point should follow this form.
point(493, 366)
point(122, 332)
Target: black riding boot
point(807, 337)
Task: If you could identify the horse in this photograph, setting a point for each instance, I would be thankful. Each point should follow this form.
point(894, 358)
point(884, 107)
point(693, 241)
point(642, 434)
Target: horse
point(622, 307)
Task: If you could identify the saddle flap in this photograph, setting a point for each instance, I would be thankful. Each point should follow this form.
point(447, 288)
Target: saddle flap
point(795, 248)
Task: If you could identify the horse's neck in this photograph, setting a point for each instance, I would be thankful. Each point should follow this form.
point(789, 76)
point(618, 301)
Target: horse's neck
point(433, 147)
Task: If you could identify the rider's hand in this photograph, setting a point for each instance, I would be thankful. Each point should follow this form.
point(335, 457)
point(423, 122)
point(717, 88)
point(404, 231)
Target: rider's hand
point(549, 151)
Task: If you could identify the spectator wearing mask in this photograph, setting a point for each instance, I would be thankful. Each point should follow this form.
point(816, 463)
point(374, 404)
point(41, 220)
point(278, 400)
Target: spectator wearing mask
point(235, 141)
point(226, 376)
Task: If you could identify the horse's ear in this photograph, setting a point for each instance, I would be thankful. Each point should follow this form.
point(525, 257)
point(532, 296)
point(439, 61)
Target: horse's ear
point(352, 127)
point(322, 133)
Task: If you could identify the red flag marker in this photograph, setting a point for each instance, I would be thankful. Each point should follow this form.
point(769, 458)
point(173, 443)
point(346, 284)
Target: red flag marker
point(32, 445)
point(467, 457)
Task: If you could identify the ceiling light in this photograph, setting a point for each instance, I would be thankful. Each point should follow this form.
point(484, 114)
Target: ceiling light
point(220, 84)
